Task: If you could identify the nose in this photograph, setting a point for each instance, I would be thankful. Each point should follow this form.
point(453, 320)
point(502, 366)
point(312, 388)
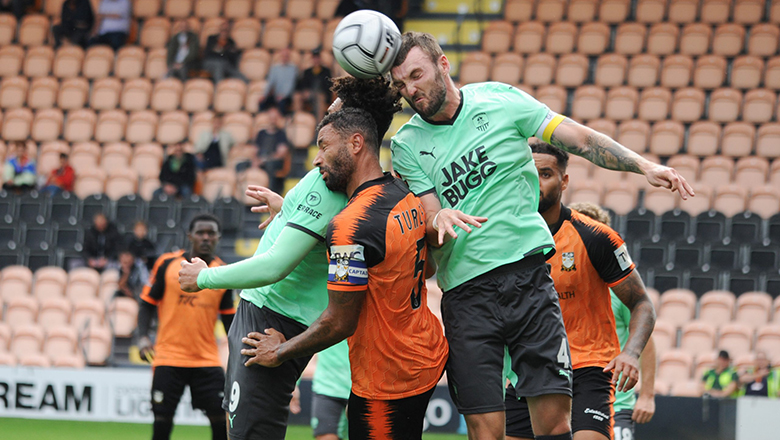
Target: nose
point(317, 159)
point(411, 90)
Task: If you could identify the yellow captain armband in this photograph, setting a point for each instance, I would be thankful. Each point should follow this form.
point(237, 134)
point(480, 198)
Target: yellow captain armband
point(550, 123)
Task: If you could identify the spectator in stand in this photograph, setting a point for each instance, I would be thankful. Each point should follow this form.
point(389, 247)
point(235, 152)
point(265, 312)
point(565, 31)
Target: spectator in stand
point(178, 172)
point(19, 173)
point(102, 243)
point(221, 56)
point(132, 276)
point(761, 380)
point(213, 146)
point(183, 51)
point(113, 23)
point(273, 151)
point(721, 381)
point(77, 20)
point(60, 179)
point(140, 246)
point(313, 88)
point(16, 7)
point(280, 84)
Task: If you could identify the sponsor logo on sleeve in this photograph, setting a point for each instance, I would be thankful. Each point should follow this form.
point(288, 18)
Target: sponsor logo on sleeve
point(348, 265)
point(623, 259)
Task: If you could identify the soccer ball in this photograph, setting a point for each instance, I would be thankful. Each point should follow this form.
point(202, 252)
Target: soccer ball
point(365, 43)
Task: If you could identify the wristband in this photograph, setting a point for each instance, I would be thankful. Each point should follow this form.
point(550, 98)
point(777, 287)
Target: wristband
point(436, 217)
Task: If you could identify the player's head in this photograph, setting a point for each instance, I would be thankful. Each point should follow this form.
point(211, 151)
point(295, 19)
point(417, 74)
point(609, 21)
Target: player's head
point(723, 360)
point(551, 165)
point(203, 233)
point(420, 73)
point(762, 361)
point(372, 95)
point(344, 137)
point(593, 211)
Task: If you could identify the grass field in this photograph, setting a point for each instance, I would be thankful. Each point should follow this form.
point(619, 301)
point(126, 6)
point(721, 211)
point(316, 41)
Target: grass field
point(26, 429)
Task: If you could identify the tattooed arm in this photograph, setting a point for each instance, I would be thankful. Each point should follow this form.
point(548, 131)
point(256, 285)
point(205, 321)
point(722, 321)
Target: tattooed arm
point(632, 293)
point(336, 323)
point(607, 153)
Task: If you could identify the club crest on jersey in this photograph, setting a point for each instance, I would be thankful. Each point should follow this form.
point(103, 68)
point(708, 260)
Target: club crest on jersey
point(480, 121)
point(313, 198)
point(567, 258)
point(342, 270)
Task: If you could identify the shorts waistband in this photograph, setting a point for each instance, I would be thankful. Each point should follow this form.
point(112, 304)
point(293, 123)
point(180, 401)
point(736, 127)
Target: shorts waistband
point(526, 263)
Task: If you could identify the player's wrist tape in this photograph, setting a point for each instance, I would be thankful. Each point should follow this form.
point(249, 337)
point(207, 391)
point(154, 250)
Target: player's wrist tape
point(436, 217)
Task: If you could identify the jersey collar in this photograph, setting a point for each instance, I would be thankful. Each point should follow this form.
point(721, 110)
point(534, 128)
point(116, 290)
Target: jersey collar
point(449, 121)
point(565, 215)
point(386, 178)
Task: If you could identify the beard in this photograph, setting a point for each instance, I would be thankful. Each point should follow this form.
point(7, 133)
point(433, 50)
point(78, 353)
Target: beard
point(339, 173)
point(435, 98)
point(547, 202)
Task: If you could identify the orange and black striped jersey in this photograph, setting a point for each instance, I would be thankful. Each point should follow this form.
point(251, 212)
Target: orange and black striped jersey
point(590, 258)
point(377, 243)
point(185, 329)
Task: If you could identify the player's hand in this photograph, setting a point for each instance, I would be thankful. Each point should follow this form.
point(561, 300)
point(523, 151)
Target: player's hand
point(644, 408)
point(446, 220)
point(145, 349)
point(659, 175)
point(273, 202)
point(188, 275)
point(295, 402)
point(264, 348)
point(625, 371)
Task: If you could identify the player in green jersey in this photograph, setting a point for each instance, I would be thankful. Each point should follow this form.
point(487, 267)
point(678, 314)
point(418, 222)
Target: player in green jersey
point(463, 153)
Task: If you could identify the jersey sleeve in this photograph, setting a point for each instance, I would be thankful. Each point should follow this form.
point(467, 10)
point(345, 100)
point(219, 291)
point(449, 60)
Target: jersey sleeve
point(227, 305)
point(313, 206)
point(527, 112)
point(154, 291)
point(607, 251)
point(353, 247)
point(407, 167)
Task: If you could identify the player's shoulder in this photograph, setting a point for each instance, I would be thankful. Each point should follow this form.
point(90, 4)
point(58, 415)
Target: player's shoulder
point(313, 189)
point(168, 257)
point(594, 232)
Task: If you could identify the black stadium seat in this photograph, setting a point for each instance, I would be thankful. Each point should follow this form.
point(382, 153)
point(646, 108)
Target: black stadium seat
point(129, 209)
point(700, 281)
point(723, 256)
point(684, 255)
point(739, 281)
point(640, 224)
point(31, 208)
point(710, 226)
point(92, 205)
point(64, 208)
point(745, 227)
point(675, 225)
point(192, 206)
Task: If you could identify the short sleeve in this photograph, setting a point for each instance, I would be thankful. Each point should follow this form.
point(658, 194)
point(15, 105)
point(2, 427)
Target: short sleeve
point(607, 252)
point(353, 247)
point(527, 112)
point(313, 206)
point(408, 169)
point(154, 291)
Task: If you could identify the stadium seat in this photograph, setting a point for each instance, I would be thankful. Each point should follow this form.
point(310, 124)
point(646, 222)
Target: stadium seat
point(200, 122)
point(662, 39)
point(42, 93)
point(121, 182)
point(550, 11)
point(110, 126)
point(695, 39)
point(73, 94)
point(729, 39)
point(768, 143)
point(588, 102)
point(326, 9)
point(220, 182)
point(686, 388)
point(10, 60)
point(208, 8)
point(141, 126)
point(235, 9)
point(5, 336)
point(197, 95)
point(327, 39)
point(764, 200)
point(475, 67)
point(33, 30)
point(759, 106)
point(136, 94)
point(300, 129)
point(84, 156)
point(60, 341)
point(27, 338)
point(698, 337)
point(746, 72)
point(605, 126)
point(529, 38)
point(109, 279)
point(156, 30)
point(246, 33)
point(717, 307)
point(47, 126)
point(659, 201)
point(507, 68)
point(252, 176)
point(768, 340)
point(725, 105)
point(738, 139)
point(496, 38)
point(89, 182)
point(38, 61)
point(13, 92)
point(539, 69)
point(105, 94)
point(710, 72)
point(614, 11)
point(586, 191)
point(239, 125)
point(593, 38)
point(49, 284)
point(687, 105)
point(763, 38)
point(572, 70)
point(141, 8)
point(611, 70)
point(688, 166)
point(620, 198)
point(735, 338)
point(674, 365)
point(753, 309)
point(49, 153)
point(172, 127)
point(560, 38)
point(68, 61)
point(677, 71)
point(630, 38)
point(677, 306)
point(751, 171)
point(96, 342)
point(155, 66)
point(634, 134)
point(166, 94)
point(16, 124)
point(667, 138)
point(748, 11)
point(34, 360)
point(69, 361)
point(650, 11)
point(82, 283)
point(88, 312)
point(654, 104)
point(268, 9)
point(98, 62)
point(554, 97)
point(7, 29)
point(20, 310)
point(277, 33)
point(715, 170)
point(255, 63)
point(741, 280)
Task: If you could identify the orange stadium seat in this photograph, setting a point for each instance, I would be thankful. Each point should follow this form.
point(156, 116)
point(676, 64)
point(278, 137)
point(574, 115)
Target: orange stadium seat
point(539, 69)
point(98, 62)
point(172, 127)
point(105, 93)
point(299, 9)
point(73, 93)
point(197, 95)
point(136, 94)
point(156, 31)
point(38, 61)
point(593, 38)
point(717, 307)
point(634, 134)
point(27, 338)
point(268, 9)
point(208, 8)
point(147, 159)
point(687, 166)
point(715, 11)
point(142, 8)
point(659, 201)
point(677, 71)
point(662, 39)
point(166, 94)
point(326, 9)
point(579, 168)
point(178, 8)
point(475, 67)
point(588, 103)
point(507, 68)
point(768, 143)
point(572, 70)
point(327, 38)
point(54, 311)
point(84, 156)
point(83, 283)
point(300, 129)
point(560, 38)
point(80, 125)
point(758, 106)
point(155, 66)
point(764, 200)
point(43, 93)
point(20, 310)
point(239, 125)
point(606, 126)
point(200, 122)
point(643, 70)
point(529, 37)
point(123, 314)
point(277, 33)
point(751, 171)
point(47, 126)
point(129, 62)
point(698, 337)
point(89, 181)
point(235, 9)
point(768, 340)
point(34, 360)
point(630, 38)
point(49, 283)
point(704, 362)
point(553, 97)
point(69, 361)
point(16, 124)
point(677, 306)
point(255, 63)
point(620, 198)
point(716, 170)
point(746, 72)
point(519, 10)
point(496, 38)
point(7, 29)
point(725, 105)
point(115, 155)
point(614, 11)
point(622, 103)
point(147, 188)
point(586, 191)
point(748, 11)
point(60, 340)
point(220, 182)
point(121, 182)
point(33, 30)
point(141, 126)
point(68, 61)
point(252, 176)
point(255, 92)
point(246, 33)
point(611, 70)
point(49, 154)
point(753, 309)
point(110, 126)
point(730, 199)
point(13, 92)
point(688, 104)
point(728, 40)
point(654, 104)
point(704, 138)
point(16, 281)
point(710, 72)
point(550, 11)
point(229, 95)
point(736, 338)
point(675, 365)
point(97, 344)
point(10, 60)
point(5, 336)
point(763, 40)
point(695, 39)
point(650, 11)
point(738, 139)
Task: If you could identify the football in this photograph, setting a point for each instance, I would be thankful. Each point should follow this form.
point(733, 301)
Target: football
point(365, 43)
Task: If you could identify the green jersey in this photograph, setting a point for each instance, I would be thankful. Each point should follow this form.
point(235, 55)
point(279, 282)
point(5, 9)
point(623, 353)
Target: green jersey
point(623, 399)
point(302, 295)
point(332, 376)
point(480, 163)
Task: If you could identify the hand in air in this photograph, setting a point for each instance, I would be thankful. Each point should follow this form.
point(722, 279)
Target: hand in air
point(264, 347)
point(669, 178)
point(273, 202)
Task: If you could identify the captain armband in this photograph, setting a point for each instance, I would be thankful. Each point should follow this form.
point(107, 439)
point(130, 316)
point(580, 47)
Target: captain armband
point(550, 123)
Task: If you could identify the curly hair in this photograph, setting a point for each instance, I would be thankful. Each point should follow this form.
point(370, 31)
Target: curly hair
point(372, 95)
point(593, 211)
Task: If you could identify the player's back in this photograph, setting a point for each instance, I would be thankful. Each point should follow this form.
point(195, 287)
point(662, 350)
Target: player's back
point(398, 349)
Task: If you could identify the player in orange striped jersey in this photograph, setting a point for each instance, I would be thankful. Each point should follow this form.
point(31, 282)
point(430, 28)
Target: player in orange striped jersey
point(376, 287)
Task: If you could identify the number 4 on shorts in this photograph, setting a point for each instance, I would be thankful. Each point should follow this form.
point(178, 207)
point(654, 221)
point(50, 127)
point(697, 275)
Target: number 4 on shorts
point(563, 353)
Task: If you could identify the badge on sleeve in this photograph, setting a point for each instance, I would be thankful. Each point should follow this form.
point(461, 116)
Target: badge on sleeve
point(348, 265)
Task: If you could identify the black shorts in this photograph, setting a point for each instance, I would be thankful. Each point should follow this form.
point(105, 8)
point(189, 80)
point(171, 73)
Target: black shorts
point(257, 398)
point(327, 415)
point(206, 387)
point(513, 308)
point(591, 406)
point(400, 419)
point(624, 425)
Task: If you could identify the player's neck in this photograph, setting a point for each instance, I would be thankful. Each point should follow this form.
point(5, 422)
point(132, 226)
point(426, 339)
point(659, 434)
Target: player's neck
point(366, 170)
point(205, 257)
point(552, 215)
point(451, 103)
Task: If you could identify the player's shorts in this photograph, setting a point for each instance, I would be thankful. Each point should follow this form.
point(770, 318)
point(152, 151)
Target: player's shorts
point(327, 415)
point(513, 307)
point(624, 425)
point(206, 387)
point(591, 406)
point(400, 419)
point(257, 398)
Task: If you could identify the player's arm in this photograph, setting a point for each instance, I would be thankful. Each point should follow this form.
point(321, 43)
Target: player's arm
point(607, 153)
point(441, 222)
point(337, 322)
point(631, 292)
point(644, 409)
point(273, 265)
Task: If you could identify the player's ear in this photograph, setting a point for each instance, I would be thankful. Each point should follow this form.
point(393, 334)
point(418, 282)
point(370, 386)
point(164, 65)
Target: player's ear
point(565, 182)
point(444, 64)
point(356, 142)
